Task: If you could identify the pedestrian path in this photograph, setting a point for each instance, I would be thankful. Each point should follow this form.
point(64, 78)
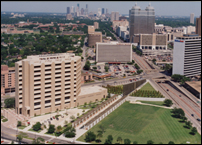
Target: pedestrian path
point(134, 102)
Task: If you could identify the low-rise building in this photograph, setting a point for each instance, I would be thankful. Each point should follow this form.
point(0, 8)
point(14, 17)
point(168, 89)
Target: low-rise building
point(7, 79)
point(113, 52)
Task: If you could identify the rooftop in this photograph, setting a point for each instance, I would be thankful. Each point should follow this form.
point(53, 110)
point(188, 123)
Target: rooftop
point(196, 85)
point(90, 90)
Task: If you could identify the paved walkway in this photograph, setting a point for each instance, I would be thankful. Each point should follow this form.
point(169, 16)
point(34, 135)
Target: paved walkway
point(134, 102)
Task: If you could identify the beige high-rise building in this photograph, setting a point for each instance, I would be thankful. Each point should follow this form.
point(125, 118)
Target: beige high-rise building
point(93, 38)
point(47, 83)
point(198, 26)
point(91, 29)
point(96, 25)
point(114, 16)
point(192, 18)
point(7, 79)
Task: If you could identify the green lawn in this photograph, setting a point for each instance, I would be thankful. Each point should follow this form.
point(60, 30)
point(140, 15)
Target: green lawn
point(4, 120)
point(148, 87)
point(160, 103)
point(22, 127)
point(34, 130)
point(2, 117)
point(142, 123)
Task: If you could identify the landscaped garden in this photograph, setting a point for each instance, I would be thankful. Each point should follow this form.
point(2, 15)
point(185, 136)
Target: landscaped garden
point(114, 89)
point(141, 123)
point(147, 91)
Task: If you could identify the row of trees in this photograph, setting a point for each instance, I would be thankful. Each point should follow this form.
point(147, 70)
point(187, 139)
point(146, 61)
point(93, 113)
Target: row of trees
point(180, 78)
point(115, 89)
point(179, 113)
point(147, 93)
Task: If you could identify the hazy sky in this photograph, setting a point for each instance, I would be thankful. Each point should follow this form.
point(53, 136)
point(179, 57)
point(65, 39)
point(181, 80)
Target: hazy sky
point(161, 8)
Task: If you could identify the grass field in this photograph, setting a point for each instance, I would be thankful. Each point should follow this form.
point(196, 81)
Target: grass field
point(22, 127)
point(142, 123)
point(34, 130)
point(160, 103)
point(148, 87)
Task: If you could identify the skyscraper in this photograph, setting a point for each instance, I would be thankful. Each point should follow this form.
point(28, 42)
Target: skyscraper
point(106, 10)
point(68, 10)
point(103, 10)
point(99, 11)
point(198, 26)
point(86, 9)
point(114, 16)
point(141, 21)
point(77, 8)
point(192, 18)
point(82, 11)
point(72, 10)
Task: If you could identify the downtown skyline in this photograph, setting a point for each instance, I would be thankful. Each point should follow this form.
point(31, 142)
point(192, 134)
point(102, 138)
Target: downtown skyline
point(161, 8)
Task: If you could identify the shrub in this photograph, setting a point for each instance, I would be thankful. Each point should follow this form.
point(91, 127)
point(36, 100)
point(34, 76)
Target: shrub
point(90, 136)
point(19, 123)
point(37, 126)
point(51, 129)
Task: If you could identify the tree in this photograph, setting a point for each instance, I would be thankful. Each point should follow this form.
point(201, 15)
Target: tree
point(85, 104)
point(109, 95)
point(107, 141)
point(51, 128)
point(168, 102)
point(183, 118)
point(171, 142)
point(127, 141)
point(83, 111)
point(154, 60)
point(133, 61)
point(99, 135)
point(119, 139)
point(102, 128)
point(65, 123)
point(19, 123)
point(12, 142)
point(150, 142)
point(21, 135)
point(110, 138)
point(94, 68)
point(9, 103)
point(39, 140)
point(37, 126)
point(136, 66)
point(78, 114)
point(90, 136)
point(87, 65)
point(188, 124)
point(69, 131)
point(106, 68)
point(135, 142)
point(59, 128)
point(72, 117)
point(193, 131)
point(139, 71)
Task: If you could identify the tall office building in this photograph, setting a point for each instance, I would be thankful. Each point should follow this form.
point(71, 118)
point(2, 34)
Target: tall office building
point(114, 16)
point(86, 9)
point(72, 10)
point(198, 26)
point(187, 55)
point(103, 10)
point(82, 11)
point(99, 12)
point(46, 83)
point(78, 11)
point(68, 10)
point(141, 21)
point(106, 10)
point(192, 18)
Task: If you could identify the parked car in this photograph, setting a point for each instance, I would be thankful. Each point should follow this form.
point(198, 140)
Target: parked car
point(192, 115)
point(198, 119)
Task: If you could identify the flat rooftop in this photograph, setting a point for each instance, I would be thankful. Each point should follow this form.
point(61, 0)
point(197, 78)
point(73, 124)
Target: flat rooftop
point(90, 90)
point(196, 85)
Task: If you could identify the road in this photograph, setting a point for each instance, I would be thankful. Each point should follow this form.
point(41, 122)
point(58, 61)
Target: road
point(118, 39)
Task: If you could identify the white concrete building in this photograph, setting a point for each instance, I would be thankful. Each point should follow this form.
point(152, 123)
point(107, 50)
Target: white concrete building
point(187, 55)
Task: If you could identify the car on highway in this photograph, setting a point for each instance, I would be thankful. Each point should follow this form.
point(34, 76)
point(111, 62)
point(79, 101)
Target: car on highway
point(192, 115)
point(167, 90)
point(198, 119)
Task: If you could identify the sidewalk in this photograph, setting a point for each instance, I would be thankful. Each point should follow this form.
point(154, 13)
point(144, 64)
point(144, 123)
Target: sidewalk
point(150, 105)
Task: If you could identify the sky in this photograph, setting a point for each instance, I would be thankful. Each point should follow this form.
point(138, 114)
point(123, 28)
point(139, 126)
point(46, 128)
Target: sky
point(177, 8)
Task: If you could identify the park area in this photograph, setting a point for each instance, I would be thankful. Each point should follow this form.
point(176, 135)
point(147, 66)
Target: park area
point(142, 123)
point(147, 91)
